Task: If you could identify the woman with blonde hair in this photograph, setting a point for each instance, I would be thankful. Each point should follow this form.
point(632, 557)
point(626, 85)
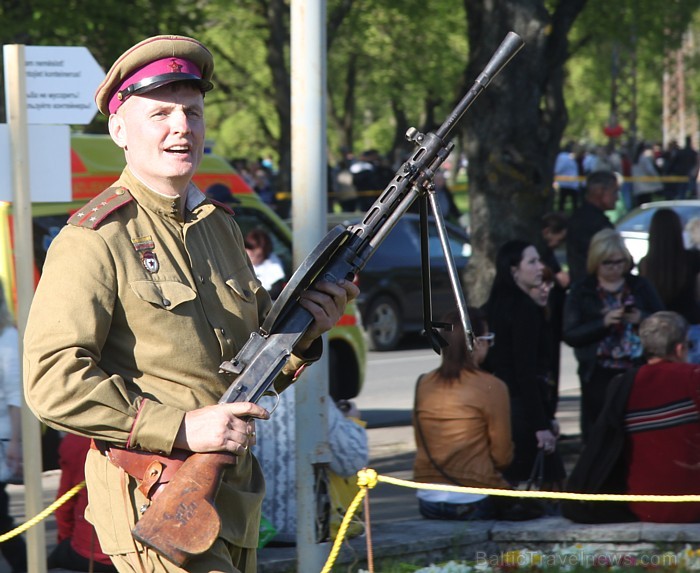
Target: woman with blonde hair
point(601, 320)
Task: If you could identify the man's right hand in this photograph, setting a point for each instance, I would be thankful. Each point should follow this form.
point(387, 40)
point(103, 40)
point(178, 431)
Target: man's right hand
point(221, 427)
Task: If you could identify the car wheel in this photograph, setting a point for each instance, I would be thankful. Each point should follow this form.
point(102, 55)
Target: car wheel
point(383, 324)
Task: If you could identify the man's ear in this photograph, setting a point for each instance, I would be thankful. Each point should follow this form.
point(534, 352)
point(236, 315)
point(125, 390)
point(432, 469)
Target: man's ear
point(681, 351)
point(117, 130)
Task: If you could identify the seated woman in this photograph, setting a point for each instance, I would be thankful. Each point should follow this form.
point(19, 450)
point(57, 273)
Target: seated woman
point(461, 421)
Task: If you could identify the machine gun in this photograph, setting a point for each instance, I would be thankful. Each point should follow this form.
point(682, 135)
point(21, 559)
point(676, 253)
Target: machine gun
point(182, 521)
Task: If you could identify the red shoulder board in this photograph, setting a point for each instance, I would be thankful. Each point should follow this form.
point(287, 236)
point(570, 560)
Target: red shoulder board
point(224, 206)
point(96, 211)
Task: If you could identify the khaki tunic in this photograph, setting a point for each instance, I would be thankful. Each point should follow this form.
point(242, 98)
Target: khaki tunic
point(118, 352)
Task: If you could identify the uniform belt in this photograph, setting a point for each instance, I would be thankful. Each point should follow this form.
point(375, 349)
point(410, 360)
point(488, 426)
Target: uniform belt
point(152, 470)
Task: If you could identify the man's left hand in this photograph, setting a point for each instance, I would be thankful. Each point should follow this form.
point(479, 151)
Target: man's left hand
point(326, 302)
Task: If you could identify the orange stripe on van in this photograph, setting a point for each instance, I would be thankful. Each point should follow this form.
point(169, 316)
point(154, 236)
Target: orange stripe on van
point(76, 164)
point(347, 320)
point(87, 186)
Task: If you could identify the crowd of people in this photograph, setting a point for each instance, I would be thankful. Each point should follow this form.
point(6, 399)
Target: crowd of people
point(649, 172)
point(631, 334)
point(354, 183)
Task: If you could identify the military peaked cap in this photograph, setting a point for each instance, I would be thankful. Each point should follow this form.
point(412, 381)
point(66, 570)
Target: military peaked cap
point(153, 63)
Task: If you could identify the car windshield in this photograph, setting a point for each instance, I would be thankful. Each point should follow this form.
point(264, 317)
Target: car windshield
point(639, 220)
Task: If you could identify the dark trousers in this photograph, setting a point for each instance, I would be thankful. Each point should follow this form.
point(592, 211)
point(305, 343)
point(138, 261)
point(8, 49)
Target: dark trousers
point(565, 192)
point(593, 397)
point(482, 509)
point(13, 550)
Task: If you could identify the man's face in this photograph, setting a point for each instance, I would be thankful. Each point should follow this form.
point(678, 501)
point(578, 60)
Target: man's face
point(609, 196)
point(162, 133)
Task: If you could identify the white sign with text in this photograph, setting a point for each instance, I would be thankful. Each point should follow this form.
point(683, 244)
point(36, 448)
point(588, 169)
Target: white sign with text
point(61, 83)
point(49, 163)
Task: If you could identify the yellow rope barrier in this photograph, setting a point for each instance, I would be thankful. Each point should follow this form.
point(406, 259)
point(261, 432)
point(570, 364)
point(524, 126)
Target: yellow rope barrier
point(43, 514)
point(543, 494)
point(368, 479)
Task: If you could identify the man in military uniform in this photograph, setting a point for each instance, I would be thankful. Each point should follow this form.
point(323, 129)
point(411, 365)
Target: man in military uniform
point(143, 294)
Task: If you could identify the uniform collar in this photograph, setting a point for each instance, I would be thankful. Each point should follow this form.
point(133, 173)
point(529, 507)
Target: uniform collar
point(163, 205)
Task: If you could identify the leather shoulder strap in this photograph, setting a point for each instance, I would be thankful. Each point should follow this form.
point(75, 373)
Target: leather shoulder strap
point(93, 213)
point(223, 206)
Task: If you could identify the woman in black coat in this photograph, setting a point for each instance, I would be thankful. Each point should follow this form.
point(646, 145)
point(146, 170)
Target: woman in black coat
point(521, 358)
point(601, 320)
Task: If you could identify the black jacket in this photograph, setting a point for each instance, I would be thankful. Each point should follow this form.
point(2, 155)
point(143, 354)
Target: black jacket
point(585, 222)
point(601, 467)
point(583, 327)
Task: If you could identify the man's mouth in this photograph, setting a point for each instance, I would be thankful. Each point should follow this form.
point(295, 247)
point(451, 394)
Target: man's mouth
point(180, 149)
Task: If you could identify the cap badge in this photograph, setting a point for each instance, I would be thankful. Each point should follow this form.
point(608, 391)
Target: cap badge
point(174, 66)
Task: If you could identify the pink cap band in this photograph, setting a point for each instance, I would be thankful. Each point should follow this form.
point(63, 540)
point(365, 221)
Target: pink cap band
point(157, 68)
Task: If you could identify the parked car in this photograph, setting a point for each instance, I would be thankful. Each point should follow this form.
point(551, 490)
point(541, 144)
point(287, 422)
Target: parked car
point(634, 227)
point(97, 162)
point(390, 300)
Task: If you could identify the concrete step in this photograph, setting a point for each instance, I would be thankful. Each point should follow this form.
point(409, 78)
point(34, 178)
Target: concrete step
point(427, 541)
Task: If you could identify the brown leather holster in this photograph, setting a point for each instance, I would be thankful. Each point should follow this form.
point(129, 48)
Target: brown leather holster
point(151, 470)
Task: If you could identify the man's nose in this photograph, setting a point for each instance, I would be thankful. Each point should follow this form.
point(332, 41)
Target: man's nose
point(181, 122)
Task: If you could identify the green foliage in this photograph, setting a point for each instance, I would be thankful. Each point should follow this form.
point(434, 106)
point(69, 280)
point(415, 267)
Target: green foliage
point(408, 59)
point(106, 28)
point(407, 53)
point(639, 27)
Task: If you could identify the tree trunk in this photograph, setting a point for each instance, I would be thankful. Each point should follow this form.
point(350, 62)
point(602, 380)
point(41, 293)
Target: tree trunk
point(277, 15)
point(345, 116)
point(514, 128)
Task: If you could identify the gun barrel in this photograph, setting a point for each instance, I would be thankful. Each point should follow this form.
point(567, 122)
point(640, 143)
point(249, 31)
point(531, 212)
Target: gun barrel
point(510, 46)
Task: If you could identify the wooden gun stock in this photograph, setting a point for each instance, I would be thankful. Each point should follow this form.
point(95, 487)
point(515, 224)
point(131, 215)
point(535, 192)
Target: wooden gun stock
point(184, 522)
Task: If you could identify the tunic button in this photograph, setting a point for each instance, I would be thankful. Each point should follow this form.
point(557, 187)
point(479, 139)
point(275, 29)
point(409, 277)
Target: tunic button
point(202, 280)
point(120, 191)
point(166, 302)
point(223, 332)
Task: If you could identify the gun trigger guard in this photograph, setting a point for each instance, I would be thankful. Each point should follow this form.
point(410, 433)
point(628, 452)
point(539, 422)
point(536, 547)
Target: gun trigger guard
point(275, 394)
point(150, 478)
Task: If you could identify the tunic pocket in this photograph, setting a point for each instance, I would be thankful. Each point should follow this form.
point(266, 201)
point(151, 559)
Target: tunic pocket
point(245, 289)
point(167, 295)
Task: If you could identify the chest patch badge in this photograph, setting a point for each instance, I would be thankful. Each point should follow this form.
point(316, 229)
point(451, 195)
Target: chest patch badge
point(144, 246)
point(150, 261)
point(143, 243)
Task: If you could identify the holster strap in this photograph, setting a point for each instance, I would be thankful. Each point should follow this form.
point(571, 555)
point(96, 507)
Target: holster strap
point(151, 470)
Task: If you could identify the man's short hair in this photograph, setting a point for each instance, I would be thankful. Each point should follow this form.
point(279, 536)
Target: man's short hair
point(661, 332)
point(601, 179)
